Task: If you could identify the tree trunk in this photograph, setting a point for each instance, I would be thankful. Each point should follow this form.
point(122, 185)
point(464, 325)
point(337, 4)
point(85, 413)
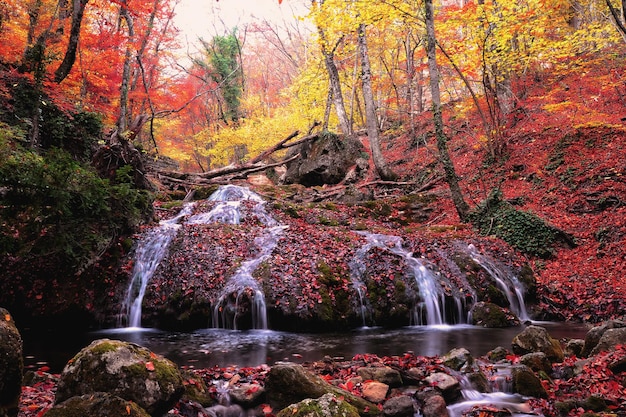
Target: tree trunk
point(70, 54)
point(122, 121)
point(371, 119)
point(442, 141)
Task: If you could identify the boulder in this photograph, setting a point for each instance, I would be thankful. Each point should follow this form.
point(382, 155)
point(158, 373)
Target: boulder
point(375, 391)
point(537, 361)
point(11, 365)
point(325, 160)
point(610, 339)
point(492, 316)
point(383, 374)
point(448, 385)
point(328, 405)
point(434, 405)
point(537, 339)
point(97, 404)
point(574, 347)
point(288, 383)
point(457, 359)
point(124, 369)
point(593, 336)
point(400, 406)
point(248, 395)
point(525, 382)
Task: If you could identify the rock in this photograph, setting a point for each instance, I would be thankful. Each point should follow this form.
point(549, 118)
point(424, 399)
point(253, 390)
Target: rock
point(434, 405)
point(498, 354)
point(97, 404)
point(248, 395)
point(288, 383)
point(525, 382)
point(328, 405)
point(617, 366)
point(383, 374)
point(493, 316)
point(457, 359)
point(325, 160)
point(537, 339)
point(610, 339)
point(537, 361)
point(124, 369)
point(448, 385)
point(220, 410)
point(196, 390)
point(574, 347)
point(375, 391)
point(401, 406)
point(11, 365)
point(593, 336)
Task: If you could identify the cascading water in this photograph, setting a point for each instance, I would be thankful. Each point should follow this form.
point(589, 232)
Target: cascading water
point(506, 281)
point(433, 297)
point(151, 249)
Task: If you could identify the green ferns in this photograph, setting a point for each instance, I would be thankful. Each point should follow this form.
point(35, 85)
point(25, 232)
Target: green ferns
point(523, 230)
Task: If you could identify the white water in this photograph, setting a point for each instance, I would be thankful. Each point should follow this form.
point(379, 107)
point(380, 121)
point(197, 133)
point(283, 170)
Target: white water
point(432, 305)
point(151, 249)
point(506, 281)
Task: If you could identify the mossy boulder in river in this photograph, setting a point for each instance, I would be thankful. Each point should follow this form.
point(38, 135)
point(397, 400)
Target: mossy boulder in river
point(11, 365)
point(537, 339)
point(123, 369)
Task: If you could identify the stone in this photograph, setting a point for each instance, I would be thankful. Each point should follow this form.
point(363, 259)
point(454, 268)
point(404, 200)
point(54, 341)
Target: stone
point(537, 361)
point(610, 339)
point(11, 365)
point(574, 347)
point(97, 404)
point(448, 385)
point(126, 370)
point(492, 316)
point(537, 339)
point(328, 405)
point(401, 406)
point(525, 382)
point(375, 391)
point(289, 383)
point(383, 374)
point(497, 354)
point(593, 336)
point(248, 395)
point(435, 406)
point(457, 359)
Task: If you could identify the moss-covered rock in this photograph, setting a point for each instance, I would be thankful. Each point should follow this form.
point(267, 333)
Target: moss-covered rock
point(11, 365)
point(493, 316)
point(525, 382)
point(327, 405)
point(537, 339)
point(124, 369)
point(98, 404)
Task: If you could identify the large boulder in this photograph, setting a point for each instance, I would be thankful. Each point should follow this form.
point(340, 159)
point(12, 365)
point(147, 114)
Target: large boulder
point(526, 383)
point(610, 339)
point(325, 160)
point(11, 365)
point(537, 339)
point(289, 383)
point(328, 405)
point(593, 336)
point(123, 369)
point(98, 404)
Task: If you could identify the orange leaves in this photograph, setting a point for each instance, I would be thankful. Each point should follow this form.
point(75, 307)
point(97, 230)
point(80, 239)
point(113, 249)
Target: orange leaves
point(150, 366)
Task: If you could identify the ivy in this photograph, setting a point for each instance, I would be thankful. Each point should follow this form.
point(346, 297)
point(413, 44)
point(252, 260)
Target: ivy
point(523, 230)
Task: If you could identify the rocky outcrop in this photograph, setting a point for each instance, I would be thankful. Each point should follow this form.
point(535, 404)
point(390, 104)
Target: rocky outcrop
point(125, 370)
point(537, 339)
point(11, 365)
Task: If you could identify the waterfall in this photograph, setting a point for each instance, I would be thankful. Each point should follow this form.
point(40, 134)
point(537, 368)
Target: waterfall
point(151, 249)
point(506, 281)
point(432, 305)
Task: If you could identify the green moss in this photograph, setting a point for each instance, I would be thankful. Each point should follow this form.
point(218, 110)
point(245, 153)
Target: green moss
point(105, 346)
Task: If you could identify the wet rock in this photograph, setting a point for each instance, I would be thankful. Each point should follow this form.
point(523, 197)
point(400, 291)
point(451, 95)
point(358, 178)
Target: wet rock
point(220, 410)
point(248, 395)
point(457, 359)
point(537, 339)
point(593, 336)
point(493, 316)
point(479, 381)
point(498, 354)
point(196, 390)
point(375, 391)
point(124, 369)
point(327, 405)
point(97, 404)
point(574, 347)
point(525, 382)
point(289, 383)
point(537, 361)
point(326, 160)
point(487, 411)
point(401, 406)
point(383, 374)
point(448, 385)
point(433, 404)
point(610, 339)
point(11, 365)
